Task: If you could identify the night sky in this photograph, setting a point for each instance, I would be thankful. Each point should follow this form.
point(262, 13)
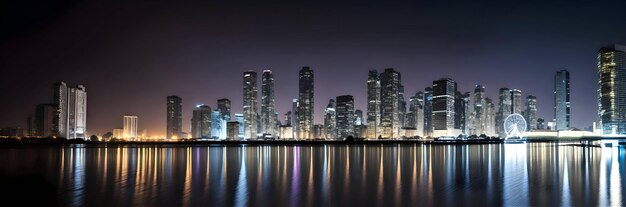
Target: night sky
point(131, 55)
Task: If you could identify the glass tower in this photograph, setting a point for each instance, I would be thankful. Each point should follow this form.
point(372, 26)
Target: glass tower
point(174, 117)
point(561, 100)
point(373, 105)
point(305, 103)
point(389, 96)
point(330, 120)
point(345, 116)
point(443, 109)
point(250, 104)
point(201, 122)
point(612, 89)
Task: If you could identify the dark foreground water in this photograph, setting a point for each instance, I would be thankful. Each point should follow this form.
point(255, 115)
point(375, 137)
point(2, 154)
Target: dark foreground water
point(365, 175)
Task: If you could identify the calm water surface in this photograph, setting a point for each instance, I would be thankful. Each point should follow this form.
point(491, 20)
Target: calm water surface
point(364, 175)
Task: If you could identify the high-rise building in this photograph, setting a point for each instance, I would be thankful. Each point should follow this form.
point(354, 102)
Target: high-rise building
point(201, 122)
point(516, 101)
point(250, 104)
point(373, 105)
point(504, 110)
point(461, 111)
point(478, 117)
point(44, 120)
point(224, 106)
point(612, 89)
point(330, 130)
point(174, 117)
point(345, 116)
point(217, 123)
point(428, 111)
point(71, 116)
point(390, 110)
point(294, 118)
point(561, 100)
point(239, 118)
point(268, 123)
point(305, 103)
point(444, 108)
point(358, 117)
point(401, 107)
point(415, 116)
point(530, 113)
point(233, 130)
point(130, 127)
point(490, 116)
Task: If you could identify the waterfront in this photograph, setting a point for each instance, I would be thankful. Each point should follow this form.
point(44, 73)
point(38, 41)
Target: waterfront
point(391, 174)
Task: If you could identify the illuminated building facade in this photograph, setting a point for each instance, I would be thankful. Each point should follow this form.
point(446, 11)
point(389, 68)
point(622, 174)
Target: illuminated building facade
point(345, 116)
point(130, 127)
point(201, 122)
point(268, 121)
point(612, 89)
point(250, 104)
point(305, 103)
point(373, 105)
point(443, 108)
point(174, 117)
point(389, 96)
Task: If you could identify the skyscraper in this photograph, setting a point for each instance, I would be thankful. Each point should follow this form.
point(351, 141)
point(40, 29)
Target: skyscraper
point(239, 118)
point(345, 116)
point(561, 100)
point(250, 104)
point(490, 116)
point(305, 103)
point(612, 89)
point(504, 110)
point(71, 116)
point(233, 130)
point(479, 122)
point(217, 123)
point(415, 116)
point(268, 123)
point(373, 105)
point(224, 106)
point(428, 111)
point(330, 120)
point(294, 118)
point(130, 127)
point(174, 117)
point(389, 96)
point(516, 101)
point(60, 103)
point(531, 113)
point(201, 122)
point(444, 108)
point(401, 107)
point(461, 109)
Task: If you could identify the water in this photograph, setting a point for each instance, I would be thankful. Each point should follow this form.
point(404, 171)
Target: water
point(412, 174)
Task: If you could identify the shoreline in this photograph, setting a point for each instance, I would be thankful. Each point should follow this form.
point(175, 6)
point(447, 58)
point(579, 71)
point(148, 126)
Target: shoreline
point(62, 142)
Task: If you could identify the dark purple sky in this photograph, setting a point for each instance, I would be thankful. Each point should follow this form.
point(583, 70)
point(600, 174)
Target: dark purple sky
point(130, 56)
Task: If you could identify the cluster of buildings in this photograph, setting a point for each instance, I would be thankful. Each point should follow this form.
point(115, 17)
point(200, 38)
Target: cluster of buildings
point(441, 109)
point(65, 117)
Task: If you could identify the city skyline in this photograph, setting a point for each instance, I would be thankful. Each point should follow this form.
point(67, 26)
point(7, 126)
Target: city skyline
point(513, 58)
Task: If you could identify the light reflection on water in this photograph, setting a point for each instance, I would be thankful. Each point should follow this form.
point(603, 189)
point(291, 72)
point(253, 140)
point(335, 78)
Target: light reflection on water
point(498, 174)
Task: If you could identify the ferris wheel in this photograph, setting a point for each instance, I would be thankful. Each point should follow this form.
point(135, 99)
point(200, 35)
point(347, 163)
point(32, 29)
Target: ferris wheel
point(514, 126)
